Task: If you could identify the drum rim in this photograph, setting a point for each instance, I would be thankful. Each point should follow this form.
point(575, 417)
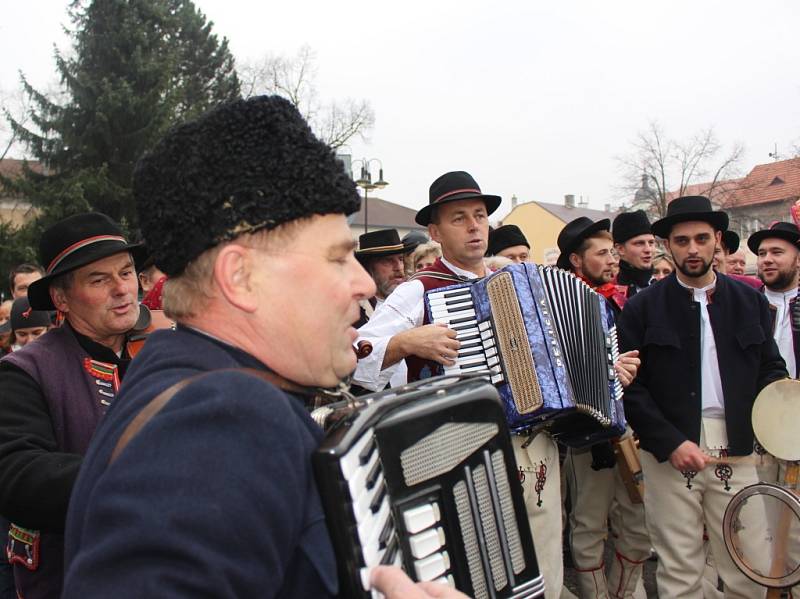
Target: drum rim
point(761, 407)
point(778, 492)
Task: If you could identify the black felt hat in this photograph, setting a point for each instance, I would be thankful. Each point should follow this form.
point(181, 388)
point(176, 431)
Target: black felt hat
point(246, 166)
point(781, 230)
point(72, 243)
point(457, 185)
point(629, 225)
point(690, 208)
point(385, 242)
point(730, 240)
point(25, 317)
point(573, 234)
point(505, 237)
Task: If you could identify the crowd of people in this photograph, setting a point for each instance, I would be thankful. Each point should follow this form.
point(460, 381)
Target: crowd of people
point(186, 471)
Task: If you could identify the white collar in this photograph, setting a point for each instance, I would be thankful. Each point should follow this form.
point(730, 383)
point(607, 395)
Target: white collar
point(780, 296)
point(459, 271)
point(707, 288)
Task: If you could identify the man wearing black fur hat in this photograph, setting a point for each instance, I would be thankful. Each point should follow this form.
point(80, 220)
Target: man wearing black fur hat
point(706, 352)
point(54, 392)
point(636, 246)
point(199, 483)
point(509, 242)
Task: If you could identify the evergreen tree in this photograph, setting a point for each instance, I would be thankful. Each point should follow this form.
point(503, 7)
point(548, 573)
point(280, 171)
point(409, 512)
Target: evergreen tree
point(137, 67)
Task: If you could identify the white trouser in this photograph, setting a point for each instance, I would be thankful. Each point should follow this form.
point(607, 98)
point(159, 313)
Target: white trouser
point(678, 505)
point(596, 496)
point(541, 483)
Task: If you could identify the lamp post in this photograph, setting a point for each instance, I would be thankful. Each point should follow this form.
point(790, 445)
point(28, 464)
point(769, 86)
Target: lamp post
point(364, 181)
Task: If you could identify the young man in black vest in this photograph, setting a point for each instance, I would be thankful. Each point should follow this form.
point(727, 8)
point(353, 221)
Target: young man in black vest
point(636, 246)
point(597, 490)
point(707, 350)
point(54, 392)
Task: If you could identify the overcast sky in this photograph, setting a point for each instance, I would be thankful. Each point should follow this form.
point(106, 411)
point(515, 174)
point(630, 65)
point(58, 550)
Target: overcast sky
point(533, 98)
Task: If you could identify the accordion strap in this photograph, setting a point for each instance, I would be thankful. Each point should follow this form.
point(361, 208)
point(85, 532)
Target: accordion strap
point(155, 405)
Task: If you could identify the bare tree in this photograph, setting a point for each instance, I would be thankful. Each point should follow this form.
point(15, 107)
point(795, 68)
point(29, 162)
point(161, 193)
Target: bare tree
point(660, 168)
point(293, 77)
point(15, 105)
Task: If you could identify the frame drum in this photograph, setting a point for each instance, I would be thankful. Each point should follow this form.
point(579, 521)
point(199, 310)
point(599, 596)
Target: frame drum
point(776, 419)
point(761, 526)
point(762, 533)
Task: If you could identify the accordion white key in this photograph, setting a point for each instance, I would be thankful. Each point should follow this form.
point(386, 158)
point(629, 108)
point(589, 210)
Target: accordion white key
point(424, 477)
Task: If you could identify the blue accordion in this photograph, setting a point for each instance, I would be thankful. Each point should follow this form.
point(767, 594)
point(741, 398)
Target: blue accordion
point(548, 343)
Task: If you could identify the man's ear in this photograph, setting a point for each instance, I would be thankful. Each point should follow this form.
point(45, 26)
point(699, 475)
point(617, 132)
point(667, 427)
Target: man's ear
point(59, 299)
point(233, 276)
point(433, 233)
point(575, 260)
point(718, 237)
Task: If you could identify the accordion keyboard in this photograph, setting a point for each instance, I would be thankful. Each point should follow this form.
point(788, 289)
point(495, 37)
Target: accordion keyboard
point(478, 349)
point(370, 507)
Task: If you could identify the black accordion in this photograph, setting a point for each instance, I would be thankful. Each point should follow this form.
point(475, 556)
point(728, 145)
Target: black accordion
point(549, 344)
point(424, 477)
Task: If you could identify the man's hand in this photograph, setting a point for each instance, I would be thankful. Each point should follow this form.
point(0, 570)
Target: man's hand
point(431, 342)
point(627, 365)
point(395, 584)
point(688, 456)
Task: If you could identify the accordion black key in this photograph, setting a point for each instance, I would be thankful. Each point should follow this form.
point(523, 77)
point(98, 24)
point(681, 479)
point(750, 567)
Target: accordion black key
point(548, 342)
point(423, 477)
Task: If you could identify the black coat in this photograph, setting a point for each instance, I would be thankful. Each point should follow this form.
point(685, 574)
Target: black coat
point(663, 404)
point(215, 496)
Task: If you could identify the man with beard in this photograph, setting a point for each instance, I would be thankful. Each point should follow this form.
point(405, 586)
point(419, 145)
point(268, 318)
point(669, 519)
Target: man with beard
point(706, 352)
point(778, 264)
point(53, 393)
point(381, 254)
point(597, 491)
point(636, 246)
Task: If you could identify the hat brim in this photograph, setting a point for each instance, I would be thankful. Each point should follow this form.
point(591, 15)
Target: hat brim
point(563, 262)
point(407, 248)
point(662, 227)
point(39, 291)
point(754, 241)
point(423, 217)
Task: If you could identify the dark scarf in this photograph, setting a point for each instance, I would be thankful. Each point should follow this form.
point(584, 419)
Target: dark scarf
point(630, 275)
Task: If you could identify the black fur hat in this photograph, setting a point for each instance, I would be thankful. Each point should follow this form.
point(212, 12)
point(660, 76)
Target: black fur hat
point(245, 166)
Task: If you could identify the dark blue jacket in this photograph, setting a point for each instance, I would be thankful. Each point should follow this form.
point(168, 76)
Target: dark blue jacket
point(663, 404)
point(215, 497)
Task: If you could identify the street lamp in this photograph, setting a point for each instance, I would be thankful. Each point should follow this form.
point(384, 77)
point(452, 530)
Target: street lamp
point(364, 181)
